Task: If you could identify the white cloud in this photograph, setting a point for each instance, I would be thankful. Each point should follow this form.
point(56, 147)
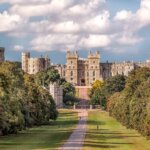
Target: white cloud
point(143, 13)
point(23, 1)
point(66, 27)
point(9, 21)
point(129, 39)
point(98, 24)
point(41, 9)
point(123, 15)
point(54, 41)
point(94, 41)
point(18, 47)
point(62, 24)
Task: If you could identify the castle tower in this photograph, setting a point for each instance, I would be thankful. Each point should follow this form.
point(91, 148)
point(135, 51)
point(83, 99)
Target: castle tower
point(57, 93)
point(72, 67)
point(25, 60)
point(47, 62)
point(93, 67)
point(2, 56)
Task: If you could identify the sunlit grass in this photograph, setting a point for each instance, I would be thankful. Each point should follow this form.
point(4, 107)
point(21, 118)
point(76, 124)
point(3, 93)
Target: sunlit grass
point(104, 132)
point(43, 137)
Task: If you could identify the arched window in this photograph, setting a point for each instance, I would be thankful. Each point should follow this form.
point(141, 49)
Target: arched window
point(71, 73)
point(93, 73)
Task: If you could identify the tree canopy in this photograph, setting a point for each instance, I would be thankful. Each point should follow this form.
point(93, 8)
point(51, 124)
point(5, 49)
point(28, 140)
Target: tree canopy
point(22, 102)
point(102, 90)
point(44, 78)
point(132, 106)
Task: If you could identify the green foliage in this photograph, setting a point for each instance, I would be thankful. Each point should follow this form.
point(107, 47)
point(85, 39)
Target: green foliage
point(47, 76)
point(68, 93)
point(101, 91)
point(52, 75)
point(114, 84)
point(132, 106)
point(22, 102)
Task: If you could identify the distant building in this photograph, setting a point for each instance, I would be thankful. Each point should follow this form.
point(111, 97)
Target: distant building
point(34, 65)
point(81, 71)
point(57, 93)
point(85, 71)
point(2, 55)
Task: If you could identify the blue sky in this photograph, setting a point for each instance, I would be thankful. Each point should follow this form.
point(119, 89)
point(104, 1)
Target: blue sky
point(119, 29)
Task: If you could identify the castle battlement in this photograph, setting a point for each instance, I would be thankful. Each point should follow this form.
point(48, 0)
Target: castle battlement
point(72, 54)
point(92, 55)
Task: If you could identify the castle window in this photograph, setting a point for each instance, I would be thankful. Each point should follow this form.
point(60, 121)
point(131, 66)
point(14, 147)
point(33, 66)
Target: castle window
point(93, 79)
point(71, 62)
point(71, 79)
point(64, 73)
point(87, 73)
point(93, 62)
point(93, 73)
point(71, 73)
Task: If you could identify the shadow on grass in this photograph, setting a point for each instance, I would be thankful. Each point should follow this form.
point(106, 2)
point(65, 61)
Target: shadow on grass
point(106, 138)
point(102, 139)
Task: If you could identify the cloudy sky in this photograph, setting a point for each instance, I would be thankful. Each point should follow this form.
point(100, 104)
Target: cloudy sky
point(119, 29)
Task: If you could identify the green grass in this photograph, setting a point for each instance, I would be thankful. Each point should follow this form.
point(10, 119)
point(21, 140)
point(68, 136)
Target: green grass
point(111, 135)
point(42, 137)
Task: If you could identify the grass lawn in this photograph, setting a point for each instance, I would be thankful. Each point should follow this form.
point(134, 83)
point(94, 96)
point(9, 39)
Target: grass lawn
point(43, 137)
point(111, 134)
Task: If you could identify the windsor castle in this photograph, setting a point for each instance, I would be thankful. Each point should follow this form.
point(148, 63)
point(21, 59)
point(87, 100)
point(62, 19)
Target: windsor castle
point(81, 71)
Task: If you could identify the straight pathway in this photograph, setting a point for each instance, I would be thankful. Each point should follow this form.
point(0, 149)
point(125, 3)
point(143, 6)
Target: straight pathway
point(76, 140)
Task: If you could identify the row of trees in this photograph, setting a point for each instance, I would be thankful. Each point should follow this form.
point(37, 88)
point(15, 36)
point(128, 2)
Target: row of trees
point(23, 103)
point(44, 78)
point(126, 98)
point(132, 106)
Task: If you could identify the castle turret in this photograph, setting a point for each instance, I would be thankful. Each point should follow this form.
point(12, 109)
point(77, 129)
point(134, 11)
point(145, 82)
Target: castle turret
point(72, 67)
point(47, 62)
point(94, 67)
point(2, 56)
point(25, 60)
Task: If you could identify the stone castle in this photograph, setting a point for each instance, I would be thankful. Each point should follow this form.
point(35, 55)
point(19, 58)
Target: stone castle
point(2, 56)
point(34, 65)
point(81, 71)
point(84, 72)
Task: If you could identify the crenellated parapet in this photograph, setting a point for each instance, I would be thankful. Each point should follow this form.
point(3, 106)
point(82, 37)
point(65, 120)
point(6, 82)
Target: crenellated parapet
point(72, 54)
point(94, 55)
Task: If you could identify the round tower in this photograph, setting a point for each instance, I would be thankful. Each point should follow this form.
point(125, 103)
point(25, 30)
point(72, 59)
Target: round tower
point(25, 60)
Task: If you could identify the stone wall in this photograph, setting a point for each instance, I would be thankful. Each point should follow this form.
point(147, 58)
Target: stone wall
point(82, 92)
point(57, 93)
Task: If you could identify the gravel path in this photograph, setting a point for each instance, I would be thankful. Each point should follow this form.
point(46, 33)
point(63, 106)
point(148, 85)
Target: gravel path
point(76, 140)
